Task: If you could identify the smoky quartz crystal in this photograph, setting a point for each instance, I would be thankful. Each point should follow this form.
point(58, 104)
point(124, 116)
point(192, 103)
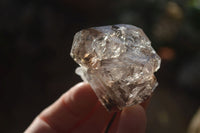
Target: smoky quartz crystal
point(118, 62)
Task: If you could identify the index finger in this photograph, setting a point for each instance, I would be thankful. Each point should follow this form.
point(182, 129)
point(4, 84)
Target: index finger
point(68, 110)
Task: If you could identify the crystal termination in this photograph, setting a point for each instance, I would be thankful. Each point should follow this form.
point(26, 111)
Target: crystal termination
point(118, 62)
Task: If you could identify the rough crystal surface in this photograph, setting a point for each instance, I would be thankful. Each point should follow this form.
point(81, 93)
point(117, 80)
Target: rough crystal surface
point(118, 62)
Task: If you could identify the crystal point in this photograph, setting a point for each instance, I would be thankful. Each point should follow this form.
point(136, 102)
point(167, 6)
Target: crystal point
point(118, 62)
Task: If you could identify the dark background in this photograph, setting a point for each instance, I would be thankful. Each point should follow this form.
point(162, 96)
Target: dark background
point(35, 66)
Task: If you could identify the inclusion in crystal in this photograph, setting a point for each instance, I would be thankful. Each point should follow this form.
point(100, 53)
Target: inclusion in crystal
point(118, 62)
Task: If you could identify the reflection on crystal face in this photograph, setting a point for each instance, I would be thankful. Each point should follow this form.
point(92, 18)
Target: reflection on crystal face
point(118, 62)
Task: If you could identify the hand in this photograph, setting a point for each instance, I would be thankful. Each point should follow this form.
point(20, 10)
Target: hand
point(79, 111)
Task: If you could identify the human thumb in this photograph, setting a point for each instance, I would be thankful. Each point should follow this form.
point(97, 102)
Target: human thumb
point(132, 120)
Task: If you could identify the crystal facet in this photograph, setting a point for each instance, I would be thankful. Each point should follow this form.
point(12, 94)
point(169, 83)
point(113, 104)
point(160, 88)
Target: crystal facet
point(118, 62)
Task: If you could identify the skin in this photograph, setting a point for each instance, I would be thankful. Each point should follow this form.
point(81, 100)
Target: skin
point(79, 111)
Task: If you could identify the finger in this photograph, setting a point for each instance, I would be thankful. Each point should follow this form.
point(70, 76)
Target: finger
point(113, 128)
point(97, 122)
point(69, 109)
point(40, 126)
point(132, 119)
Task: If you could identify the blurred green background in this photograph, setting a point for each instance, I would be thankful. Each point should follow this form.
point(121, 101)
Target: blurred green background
point(35, 66)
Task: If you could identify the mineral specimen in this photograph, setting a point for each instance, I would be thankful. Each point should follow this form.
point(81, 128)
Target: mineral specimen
point(118, 62)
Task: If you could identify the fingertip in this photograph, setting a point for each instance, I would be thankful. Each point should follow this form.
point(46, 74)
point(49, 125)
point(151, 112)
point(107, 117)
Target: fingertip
point(132, 119)
point(80, 97)
point(70, 108)
point(81, 84)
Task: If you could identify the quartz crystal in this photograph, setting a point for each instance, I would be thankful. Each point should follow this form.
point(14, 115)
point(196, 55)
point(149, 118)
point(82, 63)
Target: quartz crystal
point(118, 62)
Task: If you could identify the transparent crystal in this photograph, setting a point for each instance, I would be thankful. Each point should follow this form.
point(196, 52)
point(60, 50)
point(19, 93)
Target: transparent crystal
point(118, 62)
